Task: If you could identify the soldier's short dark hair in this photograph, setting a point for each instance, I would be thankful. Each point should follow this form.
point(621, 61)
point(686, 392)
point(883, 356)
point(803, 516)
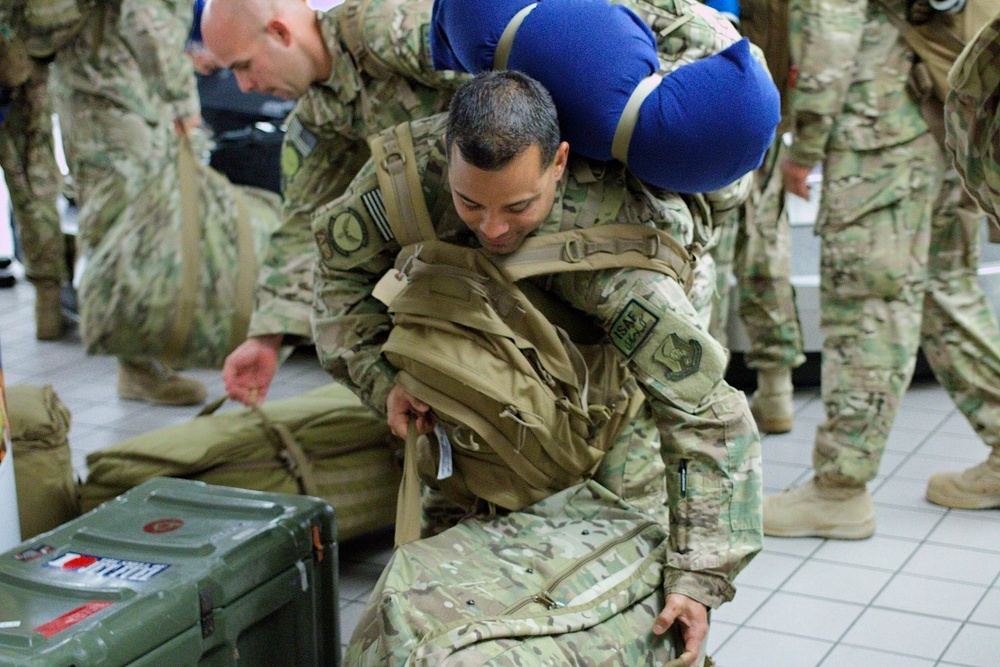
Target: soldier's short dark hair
point(497, 114)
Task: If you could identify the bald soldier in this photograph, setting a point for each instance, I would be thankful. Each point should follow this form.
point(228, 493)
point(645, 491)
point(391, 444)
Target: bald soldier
point(285, 48)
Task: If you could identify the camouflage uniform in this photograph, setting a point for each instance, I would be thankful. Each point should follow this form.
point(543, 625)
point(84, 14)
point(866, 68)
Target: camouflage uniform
point(898, 260)
point(325, 144)
point(754, 244)
point(33, 178)
point(755, 239)
point(704, 482)
point(121, 83)
point(972, 116)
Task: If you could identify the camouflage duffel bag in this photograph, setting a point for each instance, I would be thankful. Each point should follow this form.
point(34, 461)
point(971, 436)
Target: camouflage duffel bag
point(576, 579)
point(322, 443)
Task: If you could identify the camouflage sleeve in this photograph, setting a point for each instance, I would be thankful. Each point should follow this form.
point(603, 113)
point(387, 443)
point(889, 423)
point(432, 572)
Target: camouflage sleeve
point(825, 40)
point(316, 169)
point(349, 324)
point(402, 29)
point(710, 444)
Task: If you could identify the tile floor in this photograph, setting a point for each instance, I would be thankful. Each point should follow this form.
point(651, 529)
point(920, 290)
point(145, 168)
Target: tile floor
point(924, 591)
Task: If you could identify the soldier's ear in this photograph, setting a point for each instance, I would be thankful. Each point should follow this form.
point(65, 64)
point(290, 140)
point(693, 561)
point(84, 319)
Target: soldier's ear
point(559, 163)
point(279, 30)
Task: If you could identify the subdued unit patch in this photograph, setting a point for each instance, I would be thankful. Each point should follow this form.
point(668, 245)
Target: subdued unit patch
point(632, 326)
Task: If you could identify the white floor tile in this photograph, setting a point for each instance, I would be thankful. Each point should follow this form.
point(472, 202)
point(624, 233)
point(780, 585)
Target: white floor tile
point(748, 647)
point(975, 646)
point(899, 632)
point(954, 563)
point(847, 583)
point(920, 595)
point(886, 553)
point(805, 616)
point(854, 656)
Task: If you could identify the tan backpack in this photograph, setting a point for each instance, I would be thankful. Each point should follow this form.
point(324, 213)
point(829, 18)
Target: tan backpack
point(523, 410)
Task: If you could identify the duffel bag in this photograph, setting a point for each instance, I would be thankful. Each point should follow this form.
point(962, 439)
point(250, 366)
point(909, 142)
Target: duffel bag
point(576, 579)
point(323, 443)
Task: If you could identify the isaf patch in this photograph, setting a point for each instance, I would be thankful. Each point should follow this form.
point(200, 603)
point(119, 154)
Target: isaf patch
point(681, 357)
point(632, 326)
point(347, 232)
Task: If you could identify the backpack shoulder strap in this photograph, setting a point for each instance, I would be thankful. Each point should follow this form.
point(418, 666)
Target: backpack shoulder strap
point(616, 245)
point(396, 169)
point(353, 36)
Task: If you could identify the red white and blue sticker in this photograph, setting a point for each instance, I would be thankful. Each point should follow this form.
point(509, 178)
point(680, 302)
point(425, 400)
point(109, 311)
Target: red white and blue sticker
point(110, 568)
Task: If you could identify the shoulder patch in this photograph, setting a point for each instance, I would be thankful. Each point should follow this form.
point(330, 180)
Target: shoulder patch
point(347, 232)
point(375, 206)
point(681, 357)
point(631, 327)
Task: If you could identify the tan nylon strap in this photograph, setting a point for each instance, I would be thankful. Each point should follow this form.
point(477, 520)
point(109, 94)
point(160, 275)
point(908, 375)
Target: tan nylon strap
point(396, 169)
point(353, 38)
point(187, 293)
point(408, 510)
point(297, 462)
point(601, 247)
point(630, 116)
point(506, 42)
point(246, 274)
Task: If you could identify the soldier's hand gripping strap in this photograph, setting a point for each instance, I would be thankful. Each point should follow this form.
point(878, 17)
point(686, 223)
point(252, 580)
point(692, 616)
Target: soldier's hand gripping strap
point(396, 169)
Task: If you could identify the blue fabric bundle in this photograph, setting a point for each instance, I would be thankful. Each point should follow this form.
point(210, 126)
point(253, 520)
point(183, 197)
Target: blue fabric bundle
point(705, 125)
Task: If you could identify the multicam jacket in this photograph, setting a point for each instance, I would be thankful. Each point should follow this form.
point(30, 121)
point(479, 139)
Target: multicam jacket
point(972, 117)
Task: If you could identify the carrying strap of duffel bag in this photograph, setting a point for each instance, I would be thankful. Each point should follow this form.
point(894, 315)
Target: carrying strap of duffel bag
point(179, 334)
point(286, 446)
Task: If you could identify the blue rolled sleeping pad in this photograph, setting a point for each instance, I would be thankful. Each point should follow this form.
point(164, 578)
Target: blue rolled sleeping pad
point(702, 127)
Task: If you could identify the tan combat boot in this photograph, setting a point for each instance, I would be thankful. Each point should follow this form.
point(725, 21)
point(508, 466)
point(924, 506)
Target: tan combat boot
point(976, 488)
point(50, 323)
point(771, 404)
point(819, 508)
point(149, 380)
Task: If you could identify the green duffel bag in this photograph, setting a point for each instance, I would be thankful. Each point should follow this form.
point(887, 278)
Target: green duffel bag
point(323, 443)
point(47, 494)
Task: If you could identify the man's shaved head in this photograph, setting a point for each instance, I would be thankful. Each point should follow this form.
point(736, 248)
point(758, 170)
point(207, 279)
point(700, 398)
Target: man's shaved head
point(272, 46)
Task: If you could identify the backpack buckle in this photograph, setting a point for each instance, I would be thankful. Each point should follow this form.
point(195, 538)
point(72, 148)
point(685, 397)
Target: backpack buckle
point(574, 251)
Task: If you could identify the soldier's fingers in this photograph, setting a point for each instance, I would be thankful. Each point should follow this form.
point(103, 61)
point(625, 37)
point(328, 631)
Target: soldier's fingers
point(666, 618)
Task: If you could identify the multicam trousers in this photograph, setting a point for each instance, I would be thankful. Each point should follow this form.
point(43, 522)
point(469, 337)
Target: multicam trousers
point(898, 270)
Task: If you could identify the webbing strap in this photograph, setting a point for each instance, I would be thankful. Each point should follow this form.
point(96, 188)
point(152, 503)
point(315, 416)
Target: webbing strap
point(187, 294)
point(289, 449)
point(396, 169)
point(353, 37)
point(246, 273)
point(408, 501)
point(506, 42)
point(601, 247)
point(630, 116)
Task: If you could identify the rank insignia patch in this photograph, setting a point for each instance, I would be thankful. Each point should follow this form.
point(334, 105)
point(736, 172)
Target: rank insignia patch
point(347, 233)
point(632, 326)
point(681, 357)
